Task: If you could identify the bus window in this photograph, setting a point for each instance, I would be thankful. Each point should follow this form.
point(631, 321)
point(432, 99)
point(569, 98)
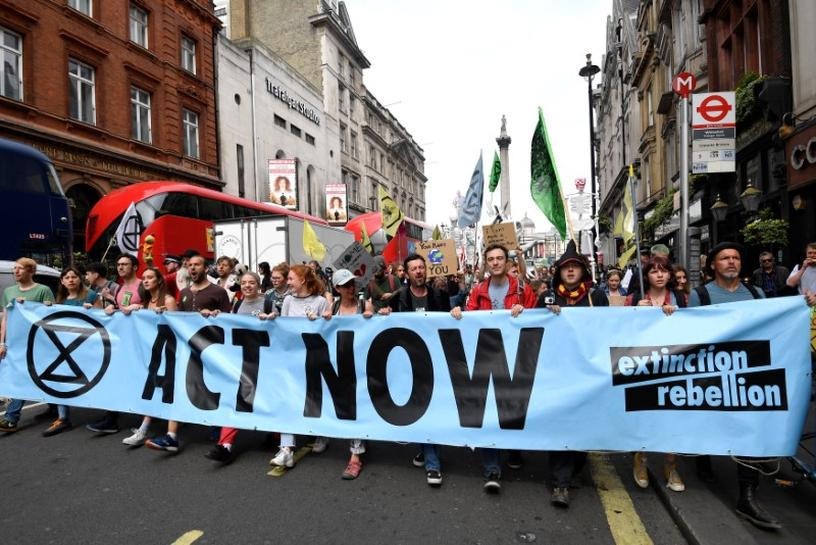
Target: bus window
point(180, 204)
point(210, 209)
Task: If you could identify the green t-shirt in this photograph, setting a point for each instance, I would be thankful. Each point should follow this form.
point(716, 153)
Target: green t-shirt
point(38, 293)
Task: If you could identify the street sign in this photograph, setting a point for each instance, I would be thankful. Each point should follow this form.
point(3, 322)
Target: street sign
point(714, 131)
point(684, 84)
point(711, 110)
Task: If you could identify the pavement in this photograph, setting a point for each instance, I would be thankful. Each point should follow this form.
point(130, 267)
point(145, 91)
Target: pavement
point(78, 487)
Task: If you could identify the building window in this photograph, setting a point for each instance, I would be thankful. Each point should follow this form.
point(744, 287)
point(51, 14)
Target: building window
point(351, 74)
point(343, 144)
point(82, 95)
point(650, 110)
point(11, 58)
point(280, 122)
point(372, 157)
point(190, 122)
point(239, 161)
point(140, 115)
point(355, 189)
point(295, 130)
point(188, 54)
point(353, 143)
point(310, 139)
point(138, 26)
point(341, 97)
point(84, 6)
point(341, 66)
point(352, 104)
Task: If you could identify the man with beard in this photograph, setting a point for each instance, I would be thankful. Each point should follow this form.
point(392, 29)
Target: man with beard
point(724, 263)
point(572, 287)
point(207, 299)
point(418, 296)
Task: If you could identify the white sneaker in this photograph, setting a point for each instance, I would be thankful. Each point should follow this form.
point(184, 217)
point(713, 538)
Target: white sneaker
point(137, 438)
point(284, 458)
point(320, 444)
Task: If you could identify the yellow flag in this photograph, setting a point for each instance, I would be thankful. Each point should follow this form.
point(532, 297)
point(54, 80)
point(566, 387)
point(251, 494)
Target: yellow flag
point(626, 256)
point(437, 234)
point(311, 244)
point(364, 240)
point(391, 214)
point(618, 229)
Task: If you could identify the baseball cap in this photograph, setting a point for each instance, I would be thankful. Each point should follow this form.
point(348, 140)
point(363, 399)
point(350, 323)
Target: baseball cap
point(342, 277)
point(172, 259)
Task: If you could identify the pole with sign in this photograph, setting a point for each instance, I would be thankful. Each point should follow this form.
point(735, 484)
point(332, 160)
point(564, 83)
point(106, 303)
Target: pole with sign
point(683, 84)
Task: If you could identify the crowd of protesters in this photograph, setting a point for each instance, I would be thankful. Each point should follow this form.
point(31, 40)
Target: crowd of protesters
point(503, 283)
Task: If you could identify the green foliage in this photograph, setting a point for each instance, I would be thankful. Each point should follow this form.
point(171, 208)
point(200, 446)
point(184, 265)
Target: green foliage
point(604, 223)
point(662, 211)
point(766, 231)
point(746, 101)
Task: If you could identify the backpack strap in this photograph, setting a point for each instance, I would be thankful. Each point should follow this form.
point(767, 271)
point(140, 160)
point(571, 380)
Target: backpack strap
point(269, 303)
point(237, 305)
point(752, 289)
point(702, 293)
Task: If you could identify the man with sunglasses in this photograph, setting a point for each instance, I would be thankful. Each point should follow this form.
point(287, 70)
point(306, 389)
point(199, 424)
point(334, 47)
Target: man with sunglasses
point(770, 277)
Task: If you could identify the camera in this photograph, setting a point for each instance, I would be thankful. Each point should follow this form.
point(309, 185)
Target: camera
point(549, 300)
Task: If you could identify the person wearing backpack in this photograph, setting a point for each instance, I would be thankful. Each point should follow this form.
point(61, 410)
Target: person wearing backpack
point(723, 264)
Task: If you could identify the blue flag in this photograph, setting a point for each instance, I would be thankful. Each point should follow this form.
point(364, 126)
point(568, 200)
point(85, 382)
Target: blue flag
point(471, 209)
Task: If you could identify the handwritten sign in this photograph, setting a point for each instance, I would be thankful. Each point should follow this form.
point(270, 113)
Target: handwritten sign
point(500, 233)
point(440, 256)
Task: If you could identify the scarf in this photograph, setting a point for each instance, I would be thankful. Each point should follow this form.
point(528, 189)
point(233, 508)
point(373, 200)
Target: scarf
point(573, 296)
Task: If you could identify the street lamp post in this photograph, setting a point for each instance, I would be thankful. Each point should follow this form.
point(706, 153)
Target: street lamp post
point(588, 71)
point(719, 210)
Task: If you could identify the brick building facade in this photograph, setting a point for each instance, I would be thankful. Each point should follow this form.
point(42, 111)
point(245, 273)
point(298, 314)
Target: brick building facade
point(112, 92)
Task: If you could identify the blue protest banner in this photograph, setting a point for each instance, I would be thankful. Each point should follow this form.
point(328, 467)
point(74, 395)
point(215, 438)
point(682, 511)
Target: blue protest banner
point(722, 379)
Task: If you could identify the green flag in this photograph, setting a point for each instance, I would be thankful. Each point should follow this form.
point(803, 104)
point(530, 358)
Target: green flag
point(437, 234)
point(495, 173)
point(544, 185)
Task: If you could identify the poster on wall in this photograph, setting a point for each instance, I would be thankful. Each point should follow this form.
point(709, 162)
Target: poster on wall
point(282, 187)
point(336, 204)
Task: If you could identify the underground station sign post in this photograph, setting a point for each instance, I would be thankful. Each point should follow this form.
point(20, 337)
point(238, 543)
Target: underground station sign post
point(713, 124)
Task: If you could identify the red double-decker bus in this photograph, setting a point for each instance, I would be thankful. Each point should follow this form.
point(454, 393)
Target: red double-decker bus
point(398, 248)
point(179, 216)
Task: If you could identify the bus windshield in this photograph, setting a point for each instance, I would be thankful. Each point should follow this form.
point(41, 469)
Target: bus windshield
point(33, 207)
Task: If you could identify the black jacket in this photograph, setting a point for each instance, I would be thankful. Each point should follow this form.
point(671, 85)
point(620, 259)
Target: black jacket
point(437, 300)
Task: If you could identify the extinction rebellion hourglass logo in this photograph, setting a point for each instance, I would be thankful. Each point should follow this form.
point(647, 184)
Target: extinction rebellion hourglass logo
point(727, 376)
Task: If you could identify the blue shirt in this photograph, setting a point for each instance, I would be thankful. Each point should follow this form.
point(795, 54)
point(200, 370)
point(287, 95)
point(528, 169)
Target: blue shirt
point(721, 295)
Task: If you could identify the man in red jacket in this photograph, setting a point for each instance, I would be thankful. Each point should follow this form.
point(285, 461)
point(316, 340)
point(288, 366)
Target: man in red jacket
point(500, 291)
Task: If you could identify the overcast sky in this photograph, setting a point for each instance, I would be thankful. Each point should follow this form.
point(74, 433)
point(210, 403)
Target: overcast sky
point(451, 69)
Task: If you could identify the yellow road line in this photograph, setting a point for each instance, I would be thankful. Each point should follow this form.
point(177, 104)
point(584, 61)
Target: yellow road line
point(624, 522)
point(279, 471)
point(188, 537)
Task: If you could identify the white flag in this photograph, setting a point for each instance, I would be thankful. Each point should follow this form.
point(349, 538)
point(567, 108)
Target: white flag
point(129, 231)
point(471, 209)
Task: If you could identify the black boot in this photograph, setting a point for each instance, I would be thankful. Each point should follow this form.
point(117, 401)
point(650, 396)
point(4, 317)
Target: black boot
point(749, 509)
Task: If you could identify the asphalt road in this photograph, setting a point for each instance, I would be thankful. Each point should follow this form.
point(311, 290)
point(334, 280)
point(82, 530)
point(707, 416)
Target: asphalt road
point(80, 488)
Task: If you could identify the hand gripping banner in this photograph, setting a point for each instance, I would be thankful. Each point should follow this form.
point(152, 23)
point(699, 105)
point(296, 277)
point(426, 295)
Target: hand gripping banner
point(723, 379)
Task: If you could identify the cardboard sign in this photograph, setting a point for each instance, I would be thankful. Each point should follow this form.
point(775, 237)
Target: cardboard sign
point(617, 300)
point(356, 259)
point(440, 256)
point(500, 233)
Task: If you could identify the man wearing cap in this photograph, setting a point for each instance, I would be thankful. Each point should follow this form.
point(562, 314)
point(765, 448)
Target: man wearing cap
point(171, 265)
point(723, 264)
point(183, 279)
point(572, 287)
point(382, 286)
point(500, 291)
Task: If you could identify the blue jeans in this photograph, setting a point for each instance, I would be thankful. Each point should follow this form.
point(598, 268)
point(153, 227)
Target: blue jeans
point(431, 454)
point(490, 461)
point(62, 412)
point(14, 409)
